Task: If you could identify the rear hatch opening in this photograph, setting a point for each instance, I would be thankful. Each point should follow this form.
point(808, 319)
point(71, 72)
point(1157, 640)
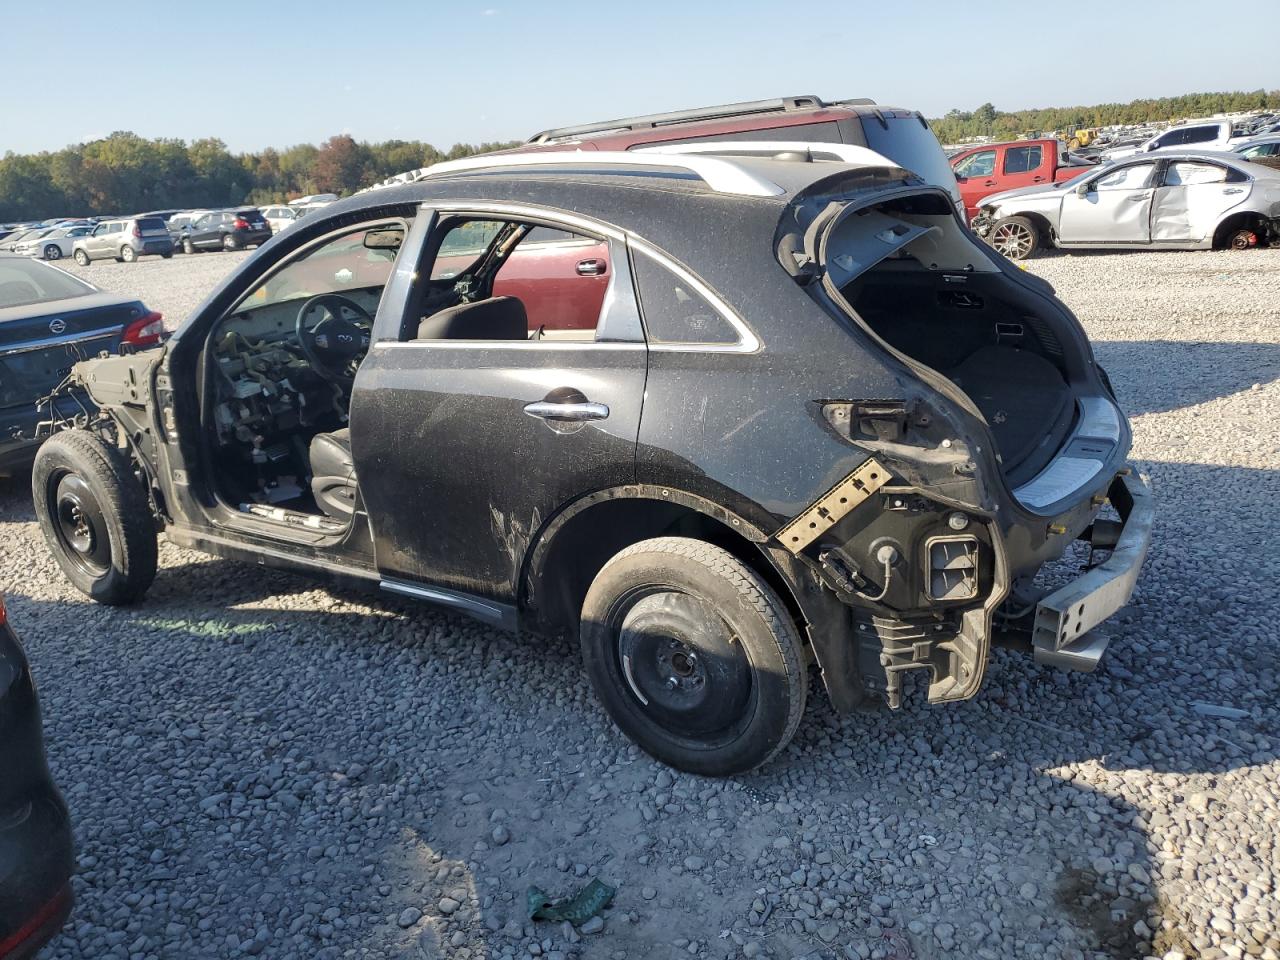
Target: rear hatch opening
point(912, 275)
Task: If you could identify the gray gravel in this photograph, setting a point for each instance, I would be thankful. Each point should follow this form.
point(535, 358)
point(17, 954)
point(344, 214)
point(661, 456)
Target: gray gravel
point(257, 766)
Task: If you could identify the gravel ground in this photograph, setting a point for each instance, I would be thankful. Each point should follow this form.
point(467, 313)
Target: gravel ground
point(259, 766)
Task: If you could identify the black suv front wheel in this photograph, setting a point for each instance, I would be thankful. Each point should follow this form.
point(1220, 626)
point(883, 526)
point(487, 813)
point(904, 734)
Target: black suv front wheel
point(96, 516)
point(694, 656)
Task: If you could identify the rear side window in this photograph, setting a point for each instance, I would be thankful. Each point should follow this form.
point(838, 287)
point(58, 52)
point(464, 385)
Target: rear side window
point(673, 311)
point(1200, 134)
point(1022, 159)
point(1188, 174)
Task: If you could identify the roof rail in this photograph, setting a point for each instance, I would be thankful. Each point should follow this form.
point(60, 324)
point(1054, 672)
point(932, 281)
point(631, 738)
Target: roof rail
point(767, 149)
point(777, 105)
point(720, 174)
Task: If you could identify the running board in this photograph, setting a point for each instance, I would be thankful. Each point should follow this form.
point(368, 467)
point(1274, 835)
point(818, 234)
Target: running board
point(490, 611)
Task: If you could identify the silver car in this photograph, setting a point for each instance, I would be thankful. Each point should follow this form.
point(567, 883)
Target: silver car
point(126, 239)
point(1172, 201)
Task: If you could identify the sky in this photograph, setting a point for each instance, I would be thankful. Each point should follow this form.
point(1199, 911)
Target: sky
point(258, 73)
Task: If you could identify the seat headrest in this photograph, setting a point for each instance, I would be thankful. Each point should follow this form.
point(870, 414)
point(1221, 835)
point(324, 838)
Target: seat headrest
point(498, 318)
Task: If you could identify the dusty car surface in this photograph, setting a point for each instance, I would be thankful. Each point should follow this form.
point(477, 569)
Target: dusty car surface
point(1184, 201)
point(759, 454)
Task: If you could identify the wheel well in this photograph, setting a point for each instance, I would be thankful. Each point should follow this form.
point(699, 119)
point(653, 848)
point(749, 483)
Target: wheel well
point(1239, 221)
point(1042, 225)
point(559, 579)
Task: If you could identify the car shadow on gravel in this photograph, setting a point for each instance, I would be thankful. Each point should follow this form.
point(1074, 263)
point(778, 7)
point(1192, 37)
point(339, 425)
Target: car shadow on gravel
point(375, 757)
point(1156, 376)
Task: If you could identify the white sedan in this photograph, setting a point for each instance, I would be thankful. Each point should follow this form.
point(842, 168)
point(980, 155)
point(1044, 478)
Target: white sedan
point(51, 245)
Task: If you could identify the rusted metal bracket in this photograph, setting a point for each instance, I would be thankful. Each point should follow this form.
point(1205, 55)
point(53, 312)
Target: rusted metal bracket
point(833, 506)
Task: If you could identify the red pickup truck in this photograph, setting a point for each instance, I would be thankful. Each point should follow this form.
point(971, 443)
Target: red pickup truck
point(994, 167)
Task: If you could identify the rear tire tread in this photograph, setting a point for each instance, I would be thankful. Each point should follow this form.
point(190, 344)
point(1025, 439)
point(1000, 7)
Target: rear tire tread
point(760, 598)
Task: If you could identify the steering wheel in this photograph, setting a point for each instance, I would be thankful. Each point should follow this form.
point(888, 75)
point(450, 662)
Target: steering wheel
point(335, 344)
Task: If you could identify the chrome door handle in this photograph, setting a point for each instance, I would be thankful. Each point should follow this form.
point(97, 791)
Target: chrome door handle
point(1234, 190)
point(572, 412)
point(590, 268)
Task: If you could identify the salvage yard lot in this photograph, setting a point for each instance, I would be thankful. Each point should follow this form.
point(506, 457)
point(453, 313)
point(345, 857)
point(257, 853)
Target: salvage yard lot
point(256, 765)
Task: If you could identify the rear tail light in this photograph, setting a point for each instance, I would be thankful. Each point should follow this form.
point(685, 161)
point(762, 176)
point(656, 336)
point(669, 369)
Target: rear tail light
point(3, 616)
point(146, 331)
point(241, 223)
point(137, 230)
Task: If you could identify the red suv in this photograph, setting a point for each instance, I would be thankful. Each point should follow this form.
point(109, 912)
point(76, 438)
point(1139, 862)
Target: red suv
point(901, 135)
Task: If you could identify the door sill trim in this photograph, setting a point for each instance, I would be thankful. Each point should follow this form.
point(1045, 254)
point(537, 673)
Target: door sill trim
point(490, 611)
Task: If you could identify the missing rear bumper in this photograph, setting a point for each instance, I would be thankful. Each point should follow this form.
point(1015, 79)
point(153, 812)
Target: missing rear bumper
point(1063, 629)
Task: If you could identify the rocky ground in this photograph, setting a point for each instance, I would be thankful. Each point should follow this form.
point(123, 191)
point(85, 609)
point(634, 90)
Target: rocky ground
point(257, 766)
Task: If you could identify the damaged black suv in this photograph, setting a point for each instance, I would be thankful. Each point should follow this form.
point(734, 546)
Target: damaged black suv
point(721, 417)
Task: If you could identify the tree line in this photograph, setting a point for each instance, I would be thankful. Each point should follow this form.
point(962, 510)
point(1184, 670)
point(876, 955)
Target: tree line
point(986, 120)
point(125, 173)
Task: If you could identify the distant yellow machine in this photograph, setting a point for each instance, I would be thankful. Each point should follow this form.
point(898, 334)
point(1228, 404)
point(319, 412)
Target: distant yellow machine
point(1081, 137)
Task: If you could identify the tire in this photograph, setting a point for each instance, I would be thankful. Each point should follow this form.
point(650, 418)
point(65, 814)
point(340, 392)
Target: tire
point(128, 254)
point(96, 517)
point(167, 256)
point(80, 257)
point(1016, 237)
point(230, 243)
point(694, 656)
point(187, 245)
point(52, 252)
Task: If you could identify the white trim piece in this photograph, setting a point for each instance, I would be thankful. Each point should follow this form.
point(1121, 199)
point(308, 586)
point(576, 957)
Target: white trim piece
point(767, 149)
point(718, 173)
point(1059, 480)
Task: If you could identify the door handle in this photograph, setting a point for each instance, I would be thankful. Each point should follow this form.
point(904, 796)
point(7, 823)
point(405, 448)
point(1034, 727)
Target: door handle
point(591, 268)
point(1136, 197)
point(571, 412)
point(1234, 190)
point(988, 183)
point(1037, 179)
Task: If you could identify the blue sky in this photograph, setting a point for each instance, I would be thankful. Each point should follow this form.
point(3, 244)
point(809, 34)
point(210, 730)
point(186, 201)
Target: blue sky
point(274, 73)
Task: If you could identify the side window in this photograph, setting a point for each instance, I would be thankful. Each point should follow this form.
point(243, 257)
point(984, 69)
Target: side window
point(1174, 138)
point(355, 264)
point(980, 164)
point(561, 279)
point(1022, 159)
point(674, 312)
point(1186, 173)
point(1133, 177)
point(462, 247)
point(1200, 135)
point(544, 284)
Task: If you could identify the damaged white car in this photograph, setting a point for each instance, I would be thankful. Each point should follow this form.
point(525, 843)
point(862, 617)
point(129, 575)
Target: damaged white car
point(1181, 201)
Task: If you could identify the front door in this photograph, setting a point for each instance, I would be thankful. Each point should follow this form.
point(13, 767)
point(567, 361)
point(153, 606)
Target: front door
point(1114, 208)
point(976, 178)
point(478, 421)
point(1022, 165)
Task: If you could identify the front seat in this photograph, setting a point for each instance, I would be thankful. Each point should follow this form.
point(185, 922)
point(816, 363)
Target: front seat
point(333, 473)
point(498, 318)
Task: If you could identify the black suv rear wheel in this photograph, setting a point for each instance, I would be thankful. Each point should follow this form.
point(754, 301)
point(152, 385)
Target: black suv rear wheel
point(96, 517)
point(694, 656)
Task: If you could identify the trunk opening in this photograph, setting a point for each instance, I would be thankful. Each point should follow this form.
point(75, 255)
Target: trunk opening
point(920, 282)
point(1008, 362)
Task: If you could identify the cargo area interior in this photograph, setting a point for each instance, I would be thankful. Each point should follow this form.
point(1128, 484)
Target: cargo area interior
point(932, 300)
